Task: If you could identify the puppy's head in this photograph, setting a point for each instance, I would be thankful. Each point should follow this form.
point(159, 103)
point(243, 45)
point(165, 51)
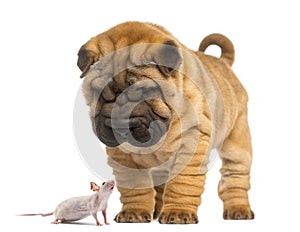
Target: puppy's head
point(127, 88)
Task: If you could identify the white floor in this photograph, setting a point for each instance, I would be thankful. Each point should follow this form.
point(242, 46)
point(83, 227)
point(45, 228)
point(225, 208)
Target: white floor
point(210, 212)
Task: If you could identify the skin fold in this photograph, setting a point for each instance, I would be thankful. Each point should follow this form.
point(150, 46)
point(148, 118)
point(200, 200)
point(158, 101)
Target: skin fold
point(199, 104)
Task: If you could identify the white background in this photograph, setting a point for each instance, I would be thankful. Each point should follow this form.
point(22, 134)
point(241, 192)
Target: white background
point(40, 165)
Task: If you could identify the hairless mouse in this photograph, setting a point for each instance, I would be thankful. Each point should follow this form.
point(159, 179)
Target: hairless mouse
point(77, 208)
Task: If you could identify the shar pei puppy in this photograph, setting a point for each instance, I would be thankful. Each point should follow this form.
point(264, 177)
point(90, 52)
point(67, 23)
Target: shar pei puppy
point(160, 108)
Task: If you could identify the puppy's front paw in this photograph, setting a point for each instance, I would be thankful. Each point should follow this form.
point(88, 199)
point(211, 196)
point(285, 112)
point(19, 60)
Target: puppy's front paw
point(178, 217)
point(241, 212)
point(133, 216)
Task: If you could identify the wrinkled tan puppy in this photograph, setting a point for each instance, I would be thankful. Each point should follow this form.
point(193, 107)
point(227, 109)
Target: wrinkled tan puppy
point(161, 108)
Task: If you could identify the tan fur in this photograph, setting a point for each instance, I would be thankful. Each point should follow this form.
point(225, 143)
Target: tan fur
point(177, 200)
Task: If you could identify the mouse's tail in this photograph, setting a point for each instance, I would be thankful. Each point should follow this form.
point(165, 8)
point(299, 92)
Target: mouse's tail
point(37, 214)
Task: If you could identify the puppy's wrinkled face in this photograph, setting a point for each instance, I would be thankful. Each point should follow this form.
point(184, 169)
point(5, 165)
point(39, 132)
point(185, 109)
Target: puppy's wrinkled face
point(127, 98)
point(131, 110)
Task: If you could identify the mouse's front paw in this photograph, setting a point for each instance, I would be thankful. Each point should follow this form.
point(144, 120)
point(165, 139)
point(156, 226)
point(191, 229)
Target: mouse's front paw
point(133, 216)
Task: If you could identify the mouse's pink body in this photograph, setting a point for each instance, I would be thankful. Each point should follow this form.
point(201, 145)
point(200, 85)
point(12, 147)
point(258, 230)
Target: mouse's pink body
point(78, 208)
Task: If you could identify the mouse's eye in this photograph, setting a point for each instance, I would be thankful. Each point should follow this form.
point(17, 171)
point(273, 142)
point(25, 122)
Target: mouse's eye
point(103, 183)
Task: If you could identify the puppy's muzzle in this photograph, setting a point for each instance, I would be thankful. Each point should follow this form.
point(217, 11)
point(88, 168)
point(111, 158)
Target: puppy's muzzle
point(137, 115)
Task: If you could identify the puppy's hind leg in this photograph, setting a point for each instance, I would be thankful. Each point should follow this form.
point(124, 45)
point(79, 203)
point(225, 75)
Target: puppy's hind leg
point(236, 155)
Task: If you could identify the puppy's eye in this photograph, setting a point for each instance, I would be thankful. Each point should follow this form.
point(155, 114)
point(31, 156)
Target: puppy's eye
point(131, 78)
point(130, 75)
point(103, 183)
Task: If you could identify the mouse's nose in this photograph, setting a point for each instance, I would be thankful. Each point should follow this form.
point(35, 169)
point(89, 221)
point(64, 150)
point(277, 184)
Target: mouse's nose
point(111, 185)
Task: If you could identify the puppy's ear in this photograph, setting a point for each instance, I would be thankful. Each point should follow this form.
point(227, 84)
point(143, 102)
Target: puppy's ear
point(168, 58)
point(94, 186)
point(85, 59)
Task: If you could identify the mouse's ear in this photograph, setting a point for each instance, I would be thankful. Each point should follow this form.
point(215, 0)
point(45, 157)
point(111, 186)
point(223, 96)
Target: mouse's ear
point(94, 186)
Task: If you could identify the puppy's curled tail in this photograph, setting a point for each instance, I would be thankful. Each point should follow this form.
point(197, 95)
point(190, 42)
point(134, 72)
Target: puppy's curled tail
point(223, 42)
point(37, 214)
